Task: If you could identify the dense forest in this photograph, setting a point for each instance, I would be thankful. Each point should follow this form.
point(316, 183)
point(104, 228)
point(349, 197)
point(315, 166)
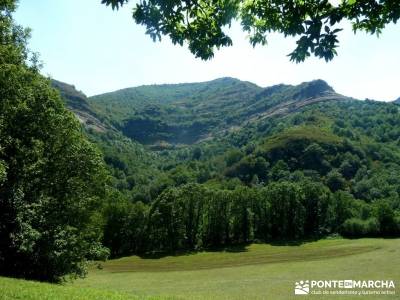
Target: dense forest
point(165, 168)
point(223, 162)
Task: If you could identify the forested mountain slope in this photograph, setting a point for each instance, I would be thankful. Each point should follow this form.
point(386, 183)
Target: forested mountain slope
point(223, 162)
point(247, 126)
point(127, 160)
point(189, 113)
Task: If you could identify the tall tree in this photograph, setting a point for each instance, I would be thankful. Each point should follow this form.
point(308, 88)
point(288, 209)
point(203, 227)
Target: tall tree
point(51, 178)
point(287, 211)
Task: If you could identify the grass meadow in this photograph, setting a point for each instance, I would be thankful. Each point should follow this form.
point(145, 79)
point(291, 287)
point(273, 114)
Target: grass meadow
point(257, 271)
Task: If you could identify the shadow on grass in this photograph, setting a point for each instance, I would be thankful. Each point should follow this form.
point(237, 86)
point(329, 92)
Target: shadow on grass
point(238, 248)
point(226, 248)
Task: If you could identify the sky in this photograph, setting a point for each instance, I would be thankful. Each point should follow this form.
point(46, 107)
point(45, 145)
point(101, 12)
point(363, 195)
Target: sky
point(99, 50)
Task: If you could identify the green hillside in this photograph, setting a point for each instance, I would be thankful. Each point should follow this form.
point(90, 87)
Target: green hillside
point(151, 114)
point(188, 113)
point(296, 163)
point(127, 160)
point(219, 189)
point(334, 161)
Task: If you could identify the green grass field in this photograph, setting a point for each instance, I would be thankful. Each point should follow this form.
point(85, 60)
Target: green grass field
point(256, 271)
point(29, 290)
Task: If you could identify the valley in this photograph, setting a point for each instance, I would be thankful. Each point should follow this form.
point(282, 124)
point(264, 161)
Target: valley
point(225, 152)
point(218, 189)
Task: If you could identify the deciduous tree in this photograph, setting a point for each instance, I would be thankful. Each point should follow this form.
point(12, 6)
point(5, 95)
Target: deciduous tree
point(315, 23)
point(52, 179)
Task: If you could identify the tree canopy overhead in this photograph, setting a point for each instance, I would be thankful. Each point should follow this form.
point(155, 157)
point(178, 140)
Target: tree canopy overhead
point(315, 23)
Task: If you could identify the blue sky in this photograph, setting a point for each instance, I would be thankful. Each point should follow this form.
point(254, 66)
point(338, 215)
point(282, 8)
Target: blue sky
point(99, 50)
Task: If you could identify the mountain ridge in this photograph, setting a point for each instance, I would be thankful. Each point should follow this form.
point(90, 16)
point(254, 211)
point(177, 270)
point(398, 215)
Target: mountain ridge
point(174, 85)
point(231, 135)
point(191, 112)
